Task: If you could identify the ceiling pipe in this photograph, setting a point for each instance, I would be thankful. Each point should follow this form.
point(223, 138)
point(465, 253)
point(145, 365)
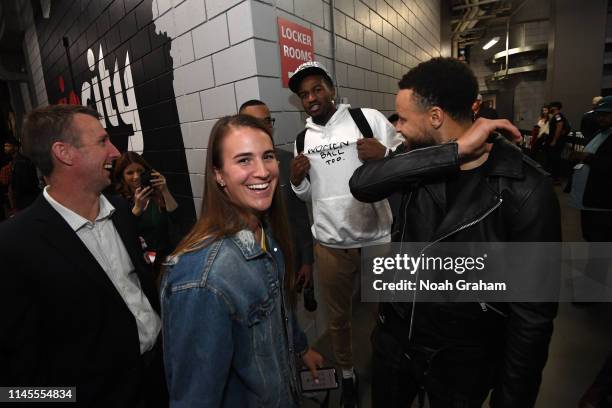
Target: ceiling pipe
point(478, 4)
point(485, 17)
point(464, 25)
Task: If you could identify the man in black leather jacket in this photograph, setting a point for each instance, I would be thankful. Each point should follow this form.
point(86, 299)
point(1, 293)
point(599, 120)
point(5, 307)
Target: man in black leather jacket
point(458, 352)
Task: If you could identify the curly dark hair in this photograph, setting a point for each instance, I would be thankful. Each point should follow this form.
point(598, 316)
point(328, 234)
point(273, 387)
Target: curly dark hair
point(444, 82)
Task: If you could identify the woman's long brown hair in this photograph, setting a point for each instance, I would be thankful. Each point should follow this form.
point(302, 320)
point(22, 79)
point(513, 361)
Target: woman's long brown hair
point(221, 218)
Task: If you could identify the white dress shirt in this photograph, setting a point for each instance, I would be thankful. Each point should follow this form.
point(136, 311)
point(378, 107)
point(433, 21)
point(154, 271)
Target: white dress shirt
point(105, 244)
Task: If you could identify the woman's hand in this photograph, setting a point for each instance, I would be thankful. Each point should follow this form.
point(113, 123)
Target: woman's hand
point(313, 360)
point(142, 196)
point(158, 181)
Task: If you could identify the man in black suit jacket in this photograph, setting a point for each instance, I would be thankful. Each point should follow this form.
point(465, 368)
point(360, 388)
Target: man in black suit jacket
point(77, 304)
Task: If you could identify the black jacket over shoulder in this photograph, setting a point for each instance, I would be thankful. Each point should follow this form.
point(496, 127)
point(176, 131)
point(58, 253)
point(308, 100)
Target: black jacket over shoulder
point(62, 321)
point(515, 203)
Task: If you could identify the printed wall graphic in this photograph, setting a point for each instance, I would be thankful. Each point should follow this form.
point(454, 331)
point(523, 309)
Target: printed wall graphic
point(295, 43)
point(107, 54)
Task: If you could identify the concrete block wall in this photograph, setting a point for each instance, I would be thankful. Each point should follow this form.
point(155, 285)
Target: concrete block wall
point(200, 41)
point(377, 42)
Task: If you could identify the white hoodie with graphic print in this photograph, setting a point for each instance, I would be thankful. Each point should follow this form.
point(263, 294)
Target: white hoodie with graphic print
point(340, 221)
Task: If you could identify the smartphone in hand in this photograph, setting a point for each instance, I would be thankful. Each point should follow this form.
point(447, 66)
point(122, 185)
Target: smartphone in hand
point(328, 380)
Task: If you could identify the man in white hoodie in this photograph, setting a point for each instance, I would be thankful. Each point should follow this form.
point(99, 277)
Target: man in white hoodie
point(333, 147)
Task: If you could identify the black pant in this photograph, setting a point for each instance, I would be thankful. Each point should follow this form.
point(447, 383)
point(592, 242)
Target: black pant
point(155, 391)
point(553, 158)
point(452, 377)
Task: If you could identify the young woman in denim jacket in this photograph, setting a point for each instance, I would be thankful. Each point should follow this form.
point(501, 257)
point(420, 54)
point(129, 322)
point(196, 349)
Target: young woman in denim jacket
point(230, 335)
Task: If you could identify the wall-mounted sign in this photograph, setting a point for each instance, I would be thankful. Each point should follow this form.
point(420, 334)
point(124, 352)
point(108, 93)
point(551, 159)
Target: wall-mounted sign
point(295, 43)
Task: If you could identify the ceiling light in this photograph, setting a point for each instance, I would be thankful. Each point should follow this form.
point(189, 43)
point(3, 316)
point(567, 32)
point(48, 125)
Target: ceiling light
point(491, 43)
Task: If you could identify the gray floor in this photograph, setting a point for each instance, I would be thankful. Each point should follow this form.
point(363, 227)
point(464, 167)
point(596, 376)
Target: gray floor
point(581, 341)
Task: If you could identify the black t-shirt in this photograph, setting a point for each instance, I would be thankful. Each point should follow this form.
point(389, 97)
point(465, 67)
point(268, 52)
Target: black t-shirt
point(464, 179)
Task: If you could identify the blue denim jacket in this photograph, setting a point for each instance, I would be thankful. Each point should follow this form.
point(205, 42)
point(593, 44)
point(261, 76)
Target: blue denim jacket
point(230, 337)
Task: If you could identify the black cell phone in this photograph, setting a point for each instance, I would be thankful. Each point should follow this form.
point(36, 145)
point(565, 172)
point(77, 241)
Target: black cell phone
point(328, 380)
point(145, 179)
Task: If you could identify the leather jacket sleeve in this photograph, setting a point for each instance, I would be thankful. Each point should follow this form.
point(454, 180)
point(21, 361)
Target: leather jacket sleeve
point(378, 179)
point(530, 325)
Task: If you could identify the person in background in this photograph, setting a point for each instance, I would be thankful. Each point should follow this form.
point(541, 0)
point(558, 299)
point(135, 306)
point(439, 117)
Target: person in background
point(228, 296)
point(591, 194)
point(23, 184)
point(152, 204)
point(296, 208)
point(595, 194)
point(540, 130)
point(480, 110)
point(590, 189)
point(589, 125)
point(559, 129)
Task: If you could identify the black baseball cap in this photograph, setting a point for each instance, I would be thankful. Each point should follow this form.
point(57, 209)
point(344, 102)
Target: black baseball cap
point(604, 105)
point(306, 69)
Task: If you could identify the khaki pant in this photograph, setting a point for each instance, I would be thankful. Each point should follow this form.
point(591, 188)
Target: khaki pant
point(336, 269)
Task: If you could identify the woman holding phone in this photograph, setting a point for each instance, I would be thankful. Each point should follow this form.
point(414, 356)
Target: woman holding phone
point(230, 333)
point(152, 203)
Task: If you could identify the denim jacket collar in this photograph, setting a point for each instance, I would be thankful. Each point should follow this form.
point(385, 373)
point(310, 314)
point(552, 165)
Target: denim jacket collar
point(246, 241)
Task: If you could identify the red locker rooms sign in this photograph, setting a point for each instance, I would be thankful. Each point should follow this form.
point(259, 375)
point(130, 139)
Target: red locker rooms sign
point(295, 43)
